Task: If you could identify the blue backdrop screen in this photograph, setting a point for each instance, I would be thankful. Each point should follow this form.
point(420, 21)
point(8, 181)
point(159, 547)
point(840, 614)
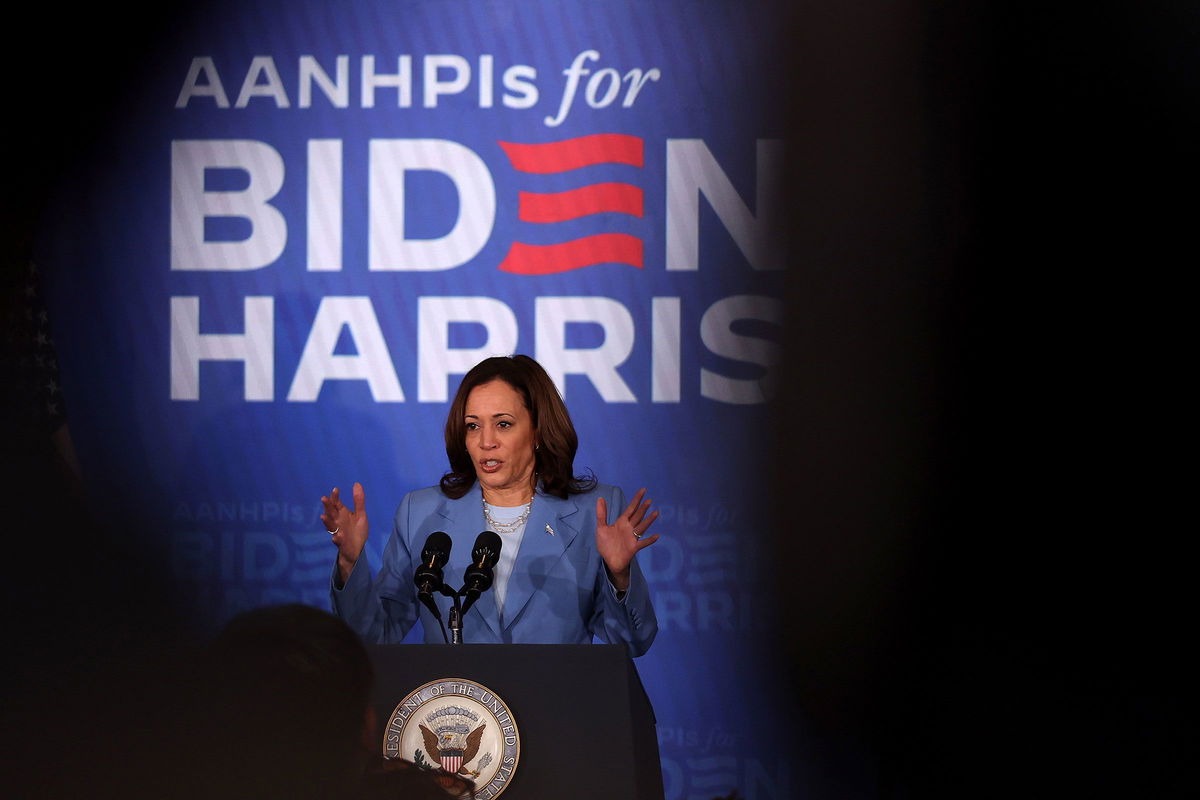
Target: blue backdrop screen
point(316, 217)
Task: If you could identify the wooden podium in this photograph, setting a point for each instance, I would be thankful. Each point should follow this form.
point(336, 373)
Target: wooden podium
point(586, 725)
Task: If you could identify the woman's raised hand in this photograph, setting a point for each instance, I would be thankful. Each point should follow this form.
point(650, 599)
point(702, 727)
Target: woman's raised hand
point(620, 542)
point(347, 526)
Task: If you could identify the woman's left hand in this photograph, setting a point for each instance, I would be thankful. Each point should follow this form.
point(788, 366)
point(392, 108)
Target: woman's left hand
point(620, 542)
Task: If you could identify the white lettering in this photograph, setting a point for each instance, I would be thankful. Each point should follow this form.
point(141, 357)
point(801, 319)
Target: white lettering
point(486, 68)
point(600, 363)
point(437, 360)
point(520, 80)
point(401, 80)
point(202, 65)
point(691, 171)
point(739, 328)
point(442, 74)
point(602, 88)
point(435, 86)
point(717, 334)
point(372, 363)
point(610, 93)
point(324, 205)
point(664, 350)
point(637, 79)
point(273, 88)
point(573, 73)
point(255, 348)
point(338, 92)
point(387, 246)
point(191, 204)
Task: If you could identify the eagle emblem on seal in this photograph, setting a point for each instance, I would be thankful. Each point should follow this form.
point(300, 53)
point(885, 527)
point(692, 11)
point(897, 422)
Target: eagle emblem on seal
point(452, 736)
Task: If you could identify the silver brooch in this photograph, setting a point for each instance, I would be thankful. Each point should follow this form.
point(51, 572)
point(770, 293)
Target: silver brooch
point(549, 530)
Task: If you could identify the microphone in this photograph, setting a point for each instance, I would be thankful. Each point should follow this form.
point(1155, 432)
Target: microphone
point(428, 576)
point(479, 574)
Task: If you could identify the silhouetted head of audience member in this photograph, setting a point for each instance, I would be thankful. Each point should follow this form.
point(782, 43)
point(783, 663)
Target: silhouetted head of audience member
point(287, 713)
point(290, 688)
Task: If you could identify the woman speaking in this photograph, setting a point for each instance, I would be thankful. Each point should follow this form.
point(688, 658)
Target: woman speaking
point(565, 572)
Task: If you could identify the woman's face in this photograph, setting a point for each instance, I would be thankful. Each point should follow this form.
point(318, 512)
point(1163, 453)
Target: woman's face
point(500, 441)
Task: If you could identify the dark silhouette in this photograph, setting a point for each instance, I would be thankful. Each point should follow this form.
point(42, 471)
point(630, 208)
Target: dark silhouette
point(287, 713)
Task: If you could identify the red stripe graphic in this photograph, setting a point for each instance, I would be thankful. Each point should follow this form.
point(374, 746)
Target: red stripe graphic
point(582, 151)
point(547, 259)
point(595, 198)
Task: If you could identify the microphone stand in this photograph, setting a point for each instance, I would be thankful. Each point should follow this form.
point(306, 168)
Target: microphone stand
point(478, 577)
point(455, 618)
point(458, 609)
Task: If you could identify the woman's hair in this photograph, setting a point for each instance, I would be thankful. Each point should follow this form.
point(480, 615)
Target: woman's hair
point(554, 458)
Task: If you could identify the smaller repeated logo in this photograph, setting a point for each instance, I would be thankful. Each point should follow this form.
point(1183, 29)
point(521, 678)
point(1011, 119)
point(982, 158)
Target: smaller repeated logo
point(460, 727)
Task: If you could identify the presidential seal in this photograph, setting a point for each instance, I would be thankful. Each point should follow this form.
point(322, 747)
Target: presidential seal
point(460, 727)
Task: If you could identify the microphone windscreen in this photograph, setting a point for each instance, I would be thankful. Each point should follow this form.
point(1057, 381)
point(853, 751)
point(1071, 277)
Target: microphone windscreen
point(487, 549)
point(437, 549)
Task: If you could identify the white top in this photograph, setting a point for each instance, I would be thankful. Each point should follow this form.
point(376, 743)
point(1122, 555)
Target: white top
point(510, 544)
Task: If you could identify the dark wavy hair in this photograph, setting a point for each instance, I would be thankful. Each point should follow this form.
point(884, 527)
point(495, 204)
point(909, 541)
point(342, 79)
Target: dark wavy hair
point(554, 458)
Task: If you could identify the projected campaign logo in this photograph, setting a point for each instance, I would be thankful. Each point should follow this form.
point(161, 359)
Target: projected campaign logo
point(691, 171)
point(314, 218)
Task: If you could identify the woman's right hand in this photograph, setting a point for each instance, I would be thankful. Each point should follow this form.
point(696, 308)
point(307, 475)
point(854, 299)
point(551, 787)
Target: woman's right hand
point(347, 526)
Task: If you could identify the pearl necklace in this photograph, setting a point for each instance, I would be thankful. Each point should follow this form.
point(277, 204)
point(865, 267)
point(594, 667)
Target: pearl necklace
point(512, 525)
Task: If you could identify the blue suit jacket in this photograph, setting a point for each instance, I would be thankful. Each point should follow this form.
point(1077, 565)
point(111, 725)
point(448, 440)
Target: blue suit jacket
point(558, 592)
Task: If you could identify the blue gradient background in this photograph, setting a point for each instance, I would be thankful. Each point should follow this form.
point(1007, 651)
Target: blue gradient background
point(230, 487)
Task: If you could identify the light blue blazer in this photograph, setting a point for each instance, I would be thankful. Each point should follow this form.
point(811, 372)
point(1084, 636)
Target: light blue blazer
point(558, 593)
